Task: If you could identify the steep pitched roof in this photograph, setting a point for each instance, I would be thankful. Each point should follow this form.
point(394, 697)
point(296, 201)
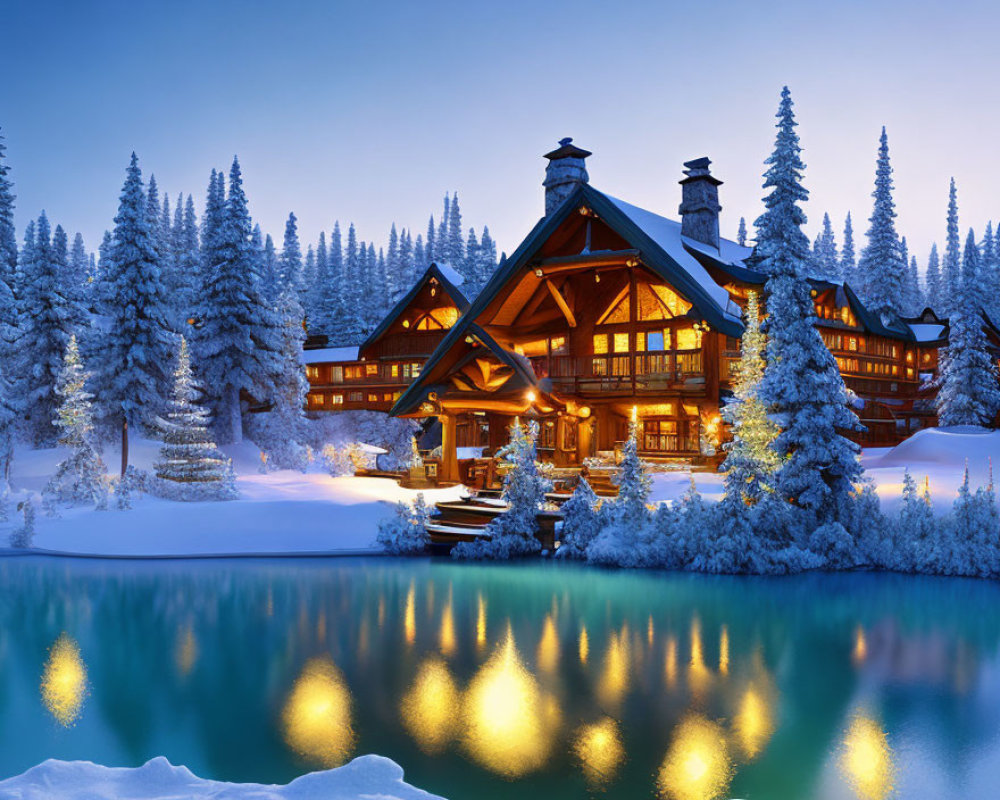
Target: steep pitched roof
point(433, 271)
point(659, 243)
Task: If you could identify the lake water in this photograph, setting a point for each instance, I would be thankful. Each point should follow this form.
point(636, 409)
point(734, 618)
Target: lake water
point(539, 680)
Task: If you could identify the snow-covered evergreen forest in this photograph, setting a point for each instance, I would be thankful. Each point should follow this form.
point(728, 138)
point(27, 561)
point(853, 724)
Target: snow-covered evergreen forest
point(165, 272)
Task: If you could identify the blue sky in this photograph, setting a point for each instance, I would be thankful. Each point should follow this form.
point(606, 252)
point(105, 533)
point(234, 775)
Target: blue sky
point(370, 111)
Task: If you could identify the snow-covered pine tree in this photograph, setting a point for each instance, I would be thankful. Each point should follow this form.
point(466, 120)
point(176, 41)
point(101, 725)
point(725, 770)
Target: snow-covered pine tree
point(290, 261)
point(750, 460)
point(49, 321)
point(132, 361)
point(8, 235)
point(741, 233)
point(211, 227)
point(239, 340)
point(487, 259)
point(190, 466)
point(848, 267)
point(470, 260)
point(915, 292)
point(354, 320)
point(632, 479)
point(826, 252)
point(405, 534)
point(988, 283)
point(881, 267)
point(442, 250)
point(270, 271)
point(79, 267)
point(430, 249)
point(333, 297)
point(312, 302)
point(9, 410)
point(951, 268)
point(71, 286)
point(392, 266)
point(581, 522)
point(802, 384)
point(322, 282)
point(968, 392)
point(934, 280)
point(915, 527)
point(406, 267)
point(456, 242)
point(186, 279)
point(80, 477)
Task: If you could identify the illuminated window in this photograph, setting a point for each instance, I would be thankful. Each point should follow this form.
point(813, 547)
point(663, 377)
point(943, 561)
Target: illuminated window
point(687, 339)
point(355, 397)
point(852, 344)
point(558, 344)
point(415, 370)
point(428, 324)
point(315, 401)
point(600, 344)
point(547, 435)
point(387, 397)
point(352, 373)
point(337, 399)
point(337, 374)
point(909, 356)
point(621, 342)
point(312, 373)
point(539, 347)
point(655, 340)
point(394, 370)
point(659, 302)
point(569, 433)
point(926, 358)
point(445, 317)
point(618, 312)
point(372, 397)
point(371, 369)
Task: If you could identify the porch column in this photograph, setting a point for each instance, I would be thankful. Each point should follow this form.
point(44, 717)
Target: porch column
point(449, 451)
point(584, 439)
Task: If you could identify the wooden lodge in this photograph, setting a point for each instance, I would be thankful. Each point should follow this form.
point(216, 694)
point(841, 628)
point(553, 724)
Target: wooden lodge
point(603, 308)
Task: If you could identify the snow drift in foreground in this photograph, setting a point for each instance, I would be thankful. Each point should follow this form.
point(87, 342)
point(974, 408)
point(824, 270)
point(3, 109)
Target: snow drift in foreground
point(158, 779)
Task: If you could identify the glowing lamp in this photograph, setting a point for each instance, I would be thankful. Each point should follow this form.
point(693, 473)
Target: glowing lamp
point(530, 396)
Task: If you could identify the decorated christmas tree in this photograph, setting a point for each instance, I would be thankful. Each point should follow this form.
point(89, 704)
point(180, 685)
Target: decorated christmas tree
point(80, 477)
point(189, 455)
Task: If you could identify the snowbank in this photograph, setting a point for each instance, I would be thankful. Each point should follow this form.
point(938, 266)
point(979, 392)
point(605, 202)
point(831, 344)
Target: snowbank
point(278, 512)
point(364, 777)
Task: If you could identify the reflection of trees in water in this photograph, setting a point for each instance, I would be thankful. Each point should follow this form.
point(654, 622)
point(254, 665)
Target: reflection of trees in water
point(214, 648)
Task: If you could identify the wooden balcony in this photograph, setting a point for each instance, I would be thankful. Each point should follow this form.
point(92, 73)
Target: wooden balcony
point(632, 373)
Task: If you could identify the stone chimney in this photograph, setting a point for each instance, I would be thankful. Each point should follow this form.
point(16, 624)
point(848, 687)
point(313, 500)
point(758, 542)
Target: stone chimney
point(700, 203)
point(564, 173)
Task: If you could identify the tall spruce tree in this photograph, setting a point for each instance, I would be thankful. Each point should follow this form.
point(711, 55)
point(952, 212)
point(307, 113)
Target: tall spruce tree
point(238, 343)
point(802, 384)
point(968, 392)
point(826, 252)
point(881, 267)
point(333, 295)
point(951, 270)
point(741, 233)
point(49, 321)
point(934, 279)
point(8, 235)
point(133, 361)
point(79, 266)
point(848, 266)
point(456, 242)
point(187, 277)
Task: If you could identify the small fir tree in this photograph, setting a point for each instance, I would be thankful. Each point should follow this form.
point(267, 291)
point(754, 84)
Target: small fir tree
point(405, 533)
point(750, 460)
point(933, 278)
point(189, 455)
point(741, 233)
point(80, 477)
point(848, 267)
point(581, 521)
point(633, 481)
point(951, 274)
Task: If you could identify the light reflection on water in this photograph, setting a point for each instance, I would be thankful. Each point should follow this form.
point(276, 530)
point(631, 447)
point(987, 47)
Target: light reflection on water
point(621, 684)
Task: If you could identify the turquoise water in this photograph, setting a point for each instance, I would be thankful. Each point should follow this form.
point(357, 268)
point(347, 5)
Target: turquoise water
point(541, 680)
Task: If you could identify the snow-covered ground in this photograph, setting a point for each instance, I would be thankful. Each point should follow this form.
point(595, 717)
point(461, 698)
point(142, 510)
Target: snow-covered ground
point(365, 777)
point(291, 512)
point(278, 512)
point(937, 454)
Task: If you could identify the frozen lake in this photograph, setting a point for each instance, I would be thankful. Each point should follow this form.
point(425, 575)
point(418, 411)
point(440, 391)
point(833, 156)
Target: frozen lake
point(540, 680)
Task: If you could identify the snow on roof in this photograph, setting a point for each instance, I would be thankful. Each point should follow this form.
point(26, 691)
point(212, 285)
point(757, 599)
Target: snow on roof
point(324, 354)
point(451, 274)
point(667, 234)
point(926, 332)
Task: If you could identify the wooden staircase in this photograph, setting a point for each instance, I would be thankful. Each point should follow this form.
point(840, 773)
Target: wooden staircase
point(465, 520)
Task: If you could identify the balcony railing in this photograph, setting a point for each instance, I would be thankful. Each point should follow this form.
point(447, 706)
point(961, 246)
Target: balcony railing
point(362, 373)
point(621, 372)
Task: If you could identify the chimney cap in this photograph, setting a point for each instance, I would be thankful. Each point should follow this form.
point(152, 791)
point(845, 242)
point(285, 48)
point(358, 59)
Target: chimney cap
point(567, 149)
point(697, 168)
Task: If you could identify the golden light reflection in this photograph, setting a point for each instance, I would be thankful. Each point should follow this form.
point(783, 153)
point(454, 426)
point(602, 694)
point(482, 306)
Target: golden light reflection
point(481, 623)
point(430, 708)
point(64, 681)
point(509, 724)
point(866, 760)
point(600, 751)
point(753, 725)
point(724, 651)
point(186, 651)
point(860, 651)
point(649, 631)
point(446, 637)
point(548, 646)
point(410, 616)
point(670, 662)
point(697, 765)
point(584, 645)
point(613, 683)
point(317, 715)
point(699, 676)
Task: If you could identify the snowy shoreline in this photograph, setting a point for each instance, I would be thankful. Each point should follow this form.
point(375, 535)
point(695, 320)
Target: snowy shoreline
point(366, 776)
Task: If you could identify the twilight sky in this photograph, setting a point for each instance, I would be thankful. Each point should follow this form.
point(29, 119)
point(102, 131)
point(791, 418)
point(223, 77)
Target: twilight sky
point(369, 111)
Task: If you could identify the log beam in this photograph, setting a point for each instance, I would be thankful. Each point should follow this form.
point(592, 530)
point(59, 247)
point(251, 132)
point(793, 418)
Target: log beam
point(561, 302)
